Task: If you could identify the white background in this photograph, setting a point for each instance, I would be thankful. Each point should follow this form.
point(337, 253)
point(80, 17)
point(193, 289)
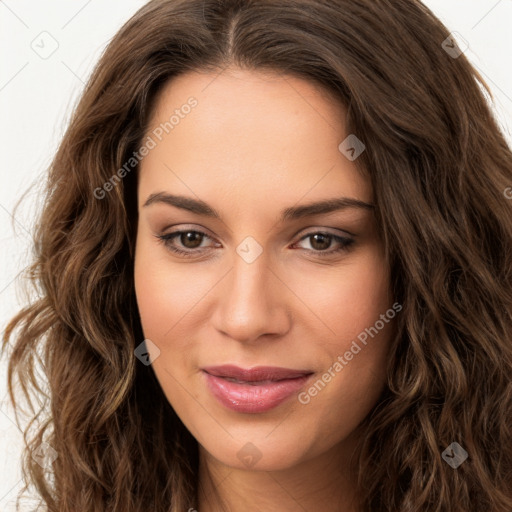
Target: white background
point(37, 94)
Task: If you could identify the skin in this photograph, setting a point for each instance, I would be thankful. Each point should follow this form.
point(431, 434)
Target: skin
point(257, 143)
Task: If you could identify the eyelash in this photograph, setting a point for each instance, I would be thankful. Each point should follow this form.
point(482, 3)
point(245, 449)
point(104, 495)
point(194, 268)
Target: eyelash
point(168, 238)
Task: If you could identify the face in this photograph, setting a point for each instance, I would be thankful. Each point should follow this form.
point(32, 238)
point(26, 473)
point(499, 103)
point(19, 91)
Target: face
point(258, 280)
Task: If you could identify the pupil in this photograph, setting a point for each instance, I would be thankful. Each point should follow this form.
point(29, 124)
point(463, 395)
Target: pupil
point(325, 238)
point(191, 236)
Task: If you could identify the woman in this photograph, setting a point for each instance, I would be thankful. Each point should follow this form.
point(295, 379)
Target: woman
point(274, 264)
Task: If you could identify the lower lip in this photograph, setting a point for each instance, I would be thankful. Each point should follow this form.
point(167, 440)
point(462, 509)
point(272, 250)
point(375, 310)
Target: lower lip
point(253, 398)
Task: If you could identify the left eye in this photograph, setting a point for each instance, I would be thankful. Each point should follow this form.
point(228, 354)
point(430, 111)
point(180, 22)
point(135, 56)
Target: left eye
point(323, 241)
point(191, 240)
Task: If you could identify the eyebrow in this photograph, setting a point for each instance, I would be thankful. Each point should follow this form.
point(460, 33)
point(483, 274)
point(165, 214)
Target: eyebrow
point(292, 213)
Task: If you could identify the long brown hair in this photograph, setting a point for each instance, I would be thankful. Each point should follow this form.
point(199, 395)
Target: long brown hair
point(439, 167)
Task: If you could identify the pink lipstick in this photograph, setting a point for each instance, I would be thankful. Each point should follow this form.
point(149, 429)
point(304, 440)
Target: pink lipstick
point(254, 390)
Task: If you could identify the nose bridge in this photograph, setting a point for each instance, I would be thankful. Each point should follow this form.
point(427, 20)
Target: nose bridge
point(250, 304)
point(248, 296)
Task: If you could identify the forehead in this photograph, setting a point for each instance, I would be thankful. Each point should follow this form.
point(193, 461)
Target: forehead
point(266, 132)
point(245, 88)
point(257, 102)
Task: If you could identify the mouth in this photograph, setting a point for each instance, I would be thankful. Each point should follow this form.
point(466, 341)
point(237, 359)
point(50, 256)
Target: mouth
point(254, 390)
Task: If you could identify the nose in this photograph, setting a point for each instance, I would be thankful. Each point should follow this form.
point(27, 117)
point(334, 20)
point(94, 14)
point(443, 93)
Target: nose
point(252, 301)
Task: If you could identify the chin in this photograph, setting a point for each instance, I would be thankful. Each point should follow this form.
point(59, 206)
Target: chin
point(260, 453)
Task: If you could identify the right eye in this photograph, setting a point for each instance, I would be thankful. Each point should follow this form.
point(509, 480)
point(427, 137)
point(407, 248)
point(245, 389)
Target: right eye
point(186, 238)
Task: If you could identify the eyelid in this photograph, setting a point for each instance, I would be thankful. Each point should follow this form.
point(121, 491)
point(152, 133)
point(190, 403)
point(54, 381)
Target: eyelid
point(330, 231)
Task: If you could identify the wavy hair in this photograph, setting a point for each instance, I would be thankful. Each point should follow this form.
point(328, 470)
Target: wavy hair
point(440, 169)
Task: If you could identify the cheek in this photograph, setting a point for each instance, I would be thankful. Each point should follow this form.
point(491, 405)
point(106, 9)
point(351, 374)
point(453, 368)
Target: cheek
point(367, 301)
point(165, 292)
point(170, 299)
point(162, 301)
point(154, 296)
point(365, 294)
point(347, 299)
point(354, 354)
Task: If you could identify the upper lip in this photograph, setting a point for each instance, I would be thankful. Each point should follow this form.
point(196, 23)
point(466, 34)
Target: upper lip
point(258, 373)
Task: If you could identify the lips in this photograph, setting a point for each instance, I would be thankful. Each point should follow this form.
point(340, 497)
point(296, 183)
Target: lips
point(253, 390)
